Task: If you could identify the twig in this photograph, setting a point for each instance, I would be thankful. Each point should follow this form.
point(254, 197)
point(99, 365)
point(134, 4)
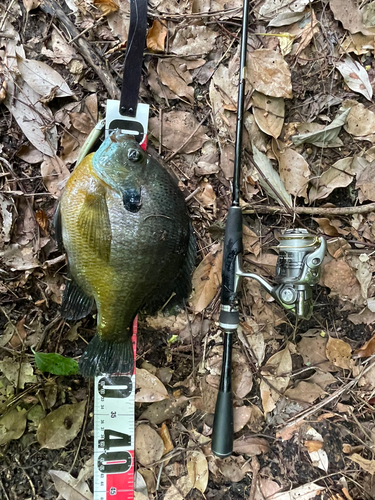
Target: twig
point(363, 209)
point(33, 493)
point(256, 467)
point(91, 57)
point(83, 431)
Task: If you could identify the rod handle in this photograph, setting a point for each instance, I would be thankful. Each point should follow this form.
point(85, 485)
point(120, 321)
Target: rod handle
point(222, 440)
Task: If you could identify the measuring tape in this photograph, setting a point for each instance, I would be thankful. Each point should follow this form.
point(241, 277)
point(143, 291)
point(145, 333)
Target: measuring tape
point(114, 397)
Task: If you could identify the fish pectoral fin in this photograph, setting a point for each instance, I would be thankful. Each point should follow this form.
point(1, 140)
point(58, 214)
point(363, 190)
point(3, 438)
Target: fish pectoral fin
point(75, 304)
point(132, 199)
point(94, 224)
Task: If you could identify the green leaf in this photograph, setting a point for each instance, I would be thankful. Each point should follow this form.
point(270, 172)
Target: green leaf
point(56, 364)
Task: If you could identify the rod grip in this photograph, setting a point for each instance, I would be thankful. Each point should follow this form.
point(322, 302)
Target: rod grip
point(222, 440)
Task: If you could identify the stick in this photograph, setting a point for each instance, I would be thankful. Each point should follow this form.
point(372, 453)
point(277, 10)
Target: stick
point(52, 8)
point(263, 209)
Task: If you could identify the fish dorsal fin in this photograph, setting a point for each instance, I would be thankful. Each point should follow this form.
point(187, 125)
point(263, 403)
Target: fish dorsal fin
point(94, 223)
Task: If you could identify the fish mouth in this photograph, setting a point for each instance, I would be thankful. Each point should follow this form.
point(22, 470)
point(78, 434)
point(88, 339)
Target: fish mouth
point(119, 136)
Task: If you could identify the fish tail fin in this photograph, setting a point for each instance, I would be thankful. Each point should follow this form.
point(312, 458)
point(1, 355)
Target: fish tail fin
point(103, 356)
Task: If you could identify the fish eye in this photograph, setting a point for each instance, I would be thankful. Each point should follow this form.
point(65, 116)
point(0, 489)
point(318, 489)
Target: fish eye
point(134, 155)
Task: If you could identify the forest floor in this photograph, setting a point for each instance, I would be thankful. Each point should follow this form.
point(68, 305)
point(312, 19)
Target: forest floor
point(304, 390)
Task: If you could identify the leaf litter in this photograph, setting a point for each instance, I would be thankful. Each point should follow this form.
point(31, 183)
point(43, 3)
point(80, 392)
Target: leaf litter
point(309, 125)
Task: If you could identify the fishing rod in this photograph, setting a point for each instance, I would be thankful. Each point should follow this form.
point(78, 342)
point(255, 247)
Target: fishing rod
point(297, 269)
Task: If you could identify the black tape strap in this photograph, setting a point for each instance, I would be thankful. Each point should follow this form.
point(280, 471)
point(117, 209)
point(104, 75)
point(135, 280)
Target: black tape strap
point(133, 58)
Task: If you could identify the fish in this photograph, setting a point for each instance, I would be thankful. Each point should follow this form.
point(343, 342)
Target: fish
point(124, 225)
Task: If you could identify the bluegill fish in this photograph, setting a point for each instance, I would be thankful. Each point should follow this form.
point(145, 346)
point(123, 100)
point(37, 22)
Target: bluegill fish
point(124, 225)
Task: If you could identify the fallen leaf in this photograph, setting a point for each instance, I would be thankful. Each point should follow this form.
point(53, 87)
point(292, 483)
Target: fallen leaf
point(339, 353)
point(206, 195)
point(70, 487)
point(166, 437)
point(34, 118)
point(7, 209)
point(367, 465)
point(12, 425)
point(177, 127)
point(306, 392)
point(17, 373)
point(156, 36)
point(355, 76)
point(148, 387)
point(306, 492)
point(341, 174)
point(149, 446)
point(270, 178)
point(265, 488)
point(368, 349)
point(322, 379)
point(349, 14)
point(277, 372)
point(62, 52)
point(19, 258)
point(366, 183)
point(197, 467)
point(55, 174)
point(206, 279)
point(42, 78)
point(242, 380)
point(319, 457)
point(326, 136)
point(180, 491)
point(61, 426)
point(274, 11)
point(250, 445)
point(340, 278)
point(269, 73)
point(193, 39)
point(176, 77)
point(312, 348)
point(241, 416)
point(234, 468)
point(293, 169)
point(269, 113)
point(360, 122)
point(30, 4)
point(106, 6)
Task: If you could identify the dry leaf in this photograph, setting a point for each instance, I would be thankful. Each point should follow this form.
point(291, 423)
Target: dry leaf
point(360, 122)
point(19, 258)
point(70, 487)
point(166, 437)
point(368, 349)
point(30, 4)
point(156, 36)
point(367, 465)
point(312, 348)
point(308, 491)
point(206, 279)
point(33, 117)
point(269, 73)
point(241, 416)
point(55, 174)
point(177, 127)
point(148, 387)
point(61, 426)
point(174, 74)
point(149, 446)
point(6, 215)
point(355, 76)
point(272, 178)
point(12, 425)
point(306, 392)
point(242, 380)
point(206, 195)
point(339, 353)
point(277, 371)
point(341, 279)
point(293, 169)
point(275, 11)
point(269, 113)
point(197, 468)
point(234, 468)
point(193, 39)
point(348, 13)
point(42, 78)
point(106, 6)
point(314, 446)
point(324, 136)
point(250, 445)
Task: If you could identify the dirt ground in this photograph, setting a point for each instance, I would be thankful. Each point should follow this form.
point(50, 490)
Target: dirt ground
point(304, 390)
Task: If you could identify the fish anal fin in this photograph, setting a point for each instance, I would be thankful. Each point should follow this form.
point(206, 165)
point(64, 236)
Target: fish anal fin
point(94, 224)
point(76, 304)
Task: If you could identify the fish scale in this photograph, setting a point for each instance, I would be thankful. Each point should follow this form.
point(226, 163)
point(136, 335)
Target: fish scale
point(128, 239)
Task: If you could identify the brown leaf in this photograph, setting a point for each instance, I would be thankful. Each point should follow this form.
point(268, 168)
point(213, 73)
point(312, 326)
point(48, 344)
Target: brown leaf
point(269, 73)
point(197, 468)
point(368, 349)
point(241, 416)
point(55, 174)
point(70, 487)
point(12, 425)
point(277, 371)
point(313, 445)
point(106, 6)
point(61, 426)
point(148, 387)
point(250, 445)
point(234, 468)
point(367, 465)
point(242, 380)
point(30, 4)
point(312, 348)
point(166, 437)
point(339, 353)
point(341, 279)
point(156, 36)
point(149, 446)
point(206, 195)
point(306, 392)
point(207, 279)
point(269, 113)
point(348, 13)
point(293, 168)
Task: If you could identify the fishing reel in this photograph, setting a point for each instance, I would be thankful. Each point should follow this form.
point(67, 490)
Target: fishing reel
point(297, 270)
